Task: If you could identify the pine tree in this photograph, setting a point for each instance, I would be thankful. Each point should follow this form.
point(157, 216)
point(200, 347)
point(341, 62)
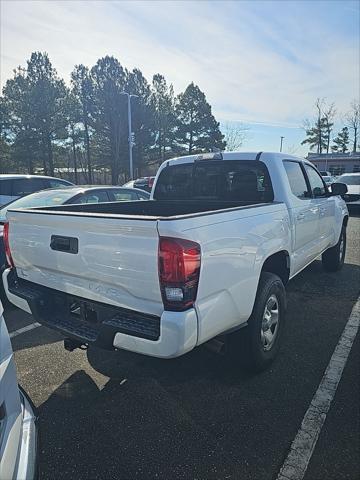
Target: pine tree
point(341, 142)
point(317, 136)
point(142, 119)
point(163, 105)
point(197, 130)
point(110, 113)
point(47, 95)
point(84, 102)
point(35, 98)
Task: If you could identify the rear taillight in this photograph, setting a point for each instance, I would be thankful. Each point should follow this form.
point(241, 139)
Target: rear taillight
point(7, 245)
point(151, 181)
point(179, 270)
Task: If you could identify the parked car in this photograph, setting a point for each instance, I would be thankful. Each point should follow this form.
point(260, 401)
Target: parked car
point(325, 173)
point(69, 195)
point(144, 183)
point(15, 186)
point(328, 179)
point(18, 428)
point(209, 256)
point(352, 197)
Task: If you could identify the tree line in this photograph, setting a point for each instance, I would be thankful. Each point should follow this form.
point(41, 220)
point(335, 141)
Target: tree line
point(319, 130)
point(46, 124)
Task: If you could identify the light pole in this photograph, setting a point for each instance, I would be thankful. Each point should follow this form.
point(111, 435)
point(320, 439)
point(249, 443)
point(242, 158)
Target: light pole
point(281, 143)
point(130, 139)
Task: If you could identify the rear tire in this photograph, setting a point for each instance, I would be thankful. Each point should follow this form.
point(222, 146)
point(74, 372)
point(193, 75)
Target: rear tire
point(333, 258)
point(257, 345)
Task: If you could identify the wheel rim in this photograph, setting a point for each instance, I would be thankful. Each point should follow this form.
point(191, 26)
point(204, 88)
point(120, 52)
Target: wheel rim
point(341, 247)
point(270, 323)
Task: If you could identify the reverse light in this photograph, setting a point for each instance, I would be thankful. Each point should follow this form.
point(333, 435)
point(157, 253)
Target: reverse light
point(8, 255)
point(179, 270)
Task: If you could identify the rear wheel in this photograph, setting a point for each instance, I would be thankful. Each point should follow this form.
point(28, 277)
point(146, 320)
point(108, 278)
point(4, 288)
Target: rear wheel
point(333, 258)
point(257, 345)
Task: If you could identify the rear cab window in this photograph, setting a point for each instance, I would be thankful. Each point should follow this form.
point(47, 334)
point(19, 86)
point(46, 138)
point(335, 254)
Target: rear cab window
point(227, 180)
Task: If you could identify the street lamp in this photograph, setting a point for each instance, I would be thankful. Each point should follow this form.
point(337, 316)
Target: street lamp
point(130, 134)
point(281, 143)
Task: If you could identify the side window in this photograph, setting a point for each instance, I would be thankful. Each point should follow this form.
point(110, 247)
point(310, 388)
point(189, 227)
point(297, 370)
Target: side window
point(24, 186)
point(317, 184)
point(296, 179)
point(94, 197)
point(55, 183)
point(124, 195)
point(5, 187)
point(141, 196)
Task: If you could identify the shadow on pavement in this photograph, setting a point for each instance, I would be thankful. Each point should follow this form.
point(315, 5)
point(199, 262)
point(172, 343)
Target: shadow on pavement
point(197, 416)
point(122, 432)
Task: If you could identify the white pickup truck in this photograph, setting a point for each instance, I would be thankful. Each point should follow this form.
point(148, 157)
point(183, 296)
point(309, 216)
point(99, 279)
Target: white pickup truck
point(208, 256)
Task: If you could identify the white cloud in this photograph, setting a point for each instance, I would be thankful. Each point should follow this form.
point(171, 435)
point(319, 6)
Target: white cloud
point(251, 68)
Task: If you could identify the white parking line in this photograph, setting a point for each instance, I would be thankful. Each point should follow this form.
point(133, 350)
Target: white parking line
point(302, 448)
point(15, 333)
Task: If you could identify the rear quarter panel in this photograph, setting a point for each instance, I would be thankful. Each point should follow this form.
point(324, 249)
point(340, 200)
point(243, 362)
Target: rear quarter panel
point(234, 246)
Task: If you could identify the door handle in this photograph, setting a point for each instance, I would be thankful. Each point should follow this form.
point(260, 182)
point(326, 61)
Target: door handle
point(301, 216)
point(64, 244)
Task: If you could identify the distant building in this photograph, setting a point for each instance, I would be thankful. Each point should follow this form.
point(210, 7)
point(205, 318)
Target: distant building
point(336, 163)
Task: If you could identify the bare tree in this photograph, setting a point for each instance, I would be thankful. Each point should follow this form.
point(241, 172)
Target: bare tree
point(292, 149)
point(328, 117)
point(353, 121)
point(235, 135)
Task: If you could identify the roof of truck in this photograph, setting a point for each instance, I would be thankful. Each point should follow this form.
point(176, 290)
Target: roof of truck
point(235, 156)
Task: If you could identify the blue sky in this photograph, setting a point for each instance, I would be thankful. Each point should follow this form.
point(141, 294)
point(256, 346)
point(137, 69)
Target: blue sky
point(262, 63)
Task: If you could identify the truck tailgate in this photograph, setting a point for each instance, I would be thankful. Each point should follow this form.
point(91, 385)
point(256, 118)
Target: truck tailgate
point(102, 258)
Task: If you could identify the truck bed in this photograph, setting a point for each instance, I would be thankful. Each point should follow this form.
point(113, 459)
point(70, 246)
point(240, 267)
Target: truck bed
point(152, 208)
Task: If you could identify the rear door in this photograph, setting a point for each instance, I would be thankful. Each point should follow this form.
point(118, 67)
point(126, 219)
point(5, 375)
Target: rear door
point(105, 258)
point(305, 216)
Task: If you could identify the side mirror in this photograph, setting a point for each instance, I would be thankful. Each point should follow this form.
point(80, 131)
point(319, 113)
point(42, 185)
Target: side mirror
point(338, 188)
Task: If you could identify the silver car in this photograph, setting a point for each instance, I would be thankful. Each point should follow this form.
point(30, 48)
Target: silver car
point(18, 431)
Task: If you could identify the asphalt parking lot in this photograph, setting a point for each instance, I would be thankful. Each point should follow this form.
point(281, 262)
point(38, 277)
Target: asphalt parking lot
point(118, 415)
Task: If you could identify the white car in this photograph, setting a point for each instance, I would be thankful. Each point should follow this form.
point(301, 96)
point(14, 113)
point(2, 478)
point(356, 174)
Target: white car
point(18, 431)
point(352, 180)
point(209, 254)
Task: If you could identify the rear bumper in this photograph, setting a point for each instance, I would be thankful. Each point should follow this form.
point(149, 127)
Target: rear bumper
point(102, 325)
